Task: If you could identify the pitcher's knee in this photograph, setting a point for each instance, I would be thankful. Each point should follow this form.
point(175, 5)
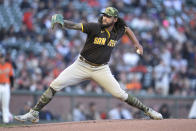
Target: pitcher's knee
point(121, 96)
point(56, 85)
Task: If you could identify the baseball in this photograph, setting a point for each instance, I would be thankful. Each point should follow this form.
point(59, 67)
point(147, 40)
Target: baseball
point(138, 51)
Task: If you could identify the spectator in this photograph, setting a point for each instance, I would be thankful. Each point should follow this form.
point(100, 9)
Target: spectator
point(25, 4)
point(162, 78)
point(26, 108)
point(134, 84)
point(92, 113)
point(46, 115)
point(119, 112)
point(79, 113)
point(164, 110)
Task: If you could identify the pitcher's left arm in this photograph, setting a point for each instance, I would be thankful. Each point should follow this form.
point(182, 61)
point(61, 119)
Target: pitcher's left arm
point(132, 37)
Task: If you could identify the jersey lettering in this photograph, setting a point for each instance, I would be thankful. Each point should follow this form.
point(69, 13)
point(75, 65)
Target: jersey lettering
point(112, 43)
point(99, 41)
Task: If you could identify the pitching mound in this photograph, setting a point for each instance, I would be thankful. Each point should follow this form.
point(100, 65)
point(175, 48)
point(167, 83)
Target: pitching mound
point(113, 125)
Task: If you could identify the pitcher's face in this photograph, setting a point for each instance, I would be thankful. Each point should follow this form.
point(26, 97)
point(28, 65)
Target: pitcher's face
point(108, 20)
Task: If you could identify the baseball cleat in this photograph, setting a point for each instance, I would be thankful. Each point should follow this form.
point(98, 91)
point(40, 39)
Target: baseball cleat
point(153, 114)
point(32, 116)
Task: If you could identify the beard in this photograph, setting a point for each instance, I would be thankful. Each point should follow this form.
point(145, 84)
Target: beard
point(106, 25)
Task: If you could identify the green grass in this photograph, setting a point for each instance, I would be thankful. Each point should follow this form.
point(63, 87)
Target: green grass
point(9, 125)
point(14, 125)
point(17, 124)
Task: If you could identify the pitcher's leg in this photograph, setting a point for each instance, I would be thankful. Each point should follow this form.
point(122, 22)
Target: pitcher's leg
point(105, 78)
point(70, 76)
point(44, 99)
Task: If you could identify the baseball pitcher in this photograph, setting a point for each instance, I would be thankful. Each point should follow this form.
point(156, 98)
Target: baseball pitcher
point(92, 62)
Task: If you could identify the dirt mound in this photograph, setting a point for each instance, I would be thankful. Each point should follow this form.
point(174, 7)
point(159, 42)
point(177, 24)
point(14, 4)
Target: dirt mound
point(113, 125)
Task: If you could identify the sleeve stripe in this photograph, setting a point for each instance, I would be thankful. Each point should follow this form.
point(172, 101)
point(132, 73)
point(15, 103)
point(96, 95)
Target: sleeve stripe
point(82, 27)
point(108, 33)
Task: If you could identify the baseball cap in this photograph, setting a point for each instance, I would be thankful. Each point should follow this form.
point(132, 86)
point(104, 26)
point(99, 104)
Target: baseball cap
point(111, 11)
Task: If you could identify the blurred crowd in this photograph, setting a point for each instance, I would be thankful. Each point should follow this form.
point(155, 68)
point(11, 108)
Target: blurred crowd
point(83, 112)
point(165, 28)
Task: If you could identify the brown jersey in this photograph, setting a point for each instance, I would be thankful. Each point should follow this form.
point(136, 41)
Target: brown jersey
point(99, 43)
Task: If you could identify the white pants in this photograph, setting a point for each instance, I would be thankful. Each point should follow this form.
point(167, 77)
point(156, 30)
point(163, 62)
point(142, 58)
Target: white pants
point(5, 100)
point(80, 71)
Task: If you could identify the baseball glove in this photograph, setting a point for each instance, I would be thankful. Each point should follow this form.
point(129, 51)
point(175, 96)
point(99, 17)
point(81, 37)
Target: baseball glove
point(57, 19)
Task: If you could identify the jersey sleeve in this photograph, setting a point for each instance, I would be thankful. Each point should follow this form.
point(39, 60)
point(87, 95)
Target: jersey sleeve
point(90, 28)
point(121, 32)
